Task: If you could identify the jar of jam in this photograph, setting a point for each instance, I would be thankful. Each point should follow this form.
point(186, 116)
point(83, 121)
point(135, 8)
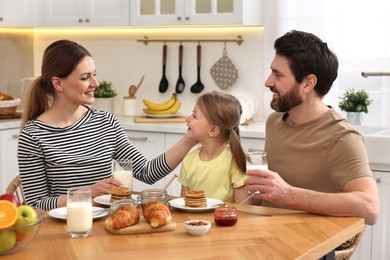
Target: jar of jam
point(225, 216)
point(153, 195)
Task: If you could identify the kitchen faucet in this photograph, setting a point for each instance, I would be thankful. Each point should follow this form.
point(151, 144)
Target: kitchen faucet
point(374, 74)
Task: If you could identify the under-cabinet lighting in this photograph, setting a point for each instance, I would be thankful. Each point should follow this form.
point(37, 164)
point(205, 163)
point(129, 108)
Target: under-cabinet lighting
point(142, 30)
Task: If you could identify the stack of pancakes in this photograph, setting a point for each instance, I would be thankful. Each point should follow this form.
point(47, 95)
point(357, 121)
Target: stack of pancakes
point(118, 193)
point(195, 199)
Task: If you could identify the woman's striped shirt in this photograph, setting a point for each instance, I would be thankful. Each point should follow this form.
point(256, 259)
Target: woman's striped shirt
point(52, 159)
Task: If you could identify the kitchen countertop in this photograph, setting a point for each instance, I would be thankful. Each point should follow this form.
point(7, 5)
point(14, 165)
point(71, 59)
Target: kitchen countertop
point(9, 123)
point(254, 130)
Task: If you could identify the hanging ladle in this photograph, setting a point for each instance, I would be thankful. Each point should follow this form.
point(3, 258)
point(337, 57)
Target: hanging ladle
point(180, 82)
point(164, 81)
point(198, 86)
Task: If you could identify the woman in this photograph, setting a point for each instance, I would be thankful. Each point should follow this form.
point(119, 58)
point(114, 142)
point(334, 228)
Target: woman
point(66, 143)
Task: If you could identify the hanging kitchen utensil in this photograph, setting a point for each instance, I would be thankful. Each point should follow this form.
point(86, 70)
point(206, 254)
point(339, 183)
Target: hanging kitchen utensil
point(224, 72)
point(164, 81)
point(198, 86)
point(180, 82)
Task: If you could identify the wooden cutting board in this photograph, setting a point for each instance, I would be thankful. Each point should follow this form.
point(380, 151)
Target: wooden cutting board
point(15, 115)
point(140, 228)
point(145, 119)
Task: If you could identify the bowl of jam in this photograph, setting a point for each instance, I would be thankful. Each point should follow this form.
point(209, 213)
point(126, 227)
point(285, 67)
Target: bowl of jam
point(225, 215)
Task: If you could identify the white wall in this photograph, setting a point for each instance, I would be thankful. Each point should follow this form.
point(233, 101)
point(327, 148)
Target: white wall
point(121, 59)
point(357, 30)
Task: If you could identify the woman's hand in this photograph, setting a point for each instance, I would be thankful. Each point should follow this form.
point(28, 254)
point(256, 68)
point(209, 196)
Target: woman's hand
point(101, 187)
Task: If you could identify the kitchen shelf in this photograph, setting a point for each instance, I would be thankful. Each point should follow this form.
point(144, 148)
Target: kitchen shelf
point(146, 40)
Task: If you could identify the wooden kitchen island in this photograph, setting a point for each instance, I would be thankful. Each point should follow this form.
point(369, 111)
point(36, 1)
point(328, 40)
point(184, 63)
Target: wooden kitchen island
point(285, 235)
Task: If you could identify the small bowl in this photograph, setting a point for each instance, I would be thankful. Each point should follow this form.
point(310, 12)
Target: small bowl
point(8, 107)
point(197, 227)
point(24, 234)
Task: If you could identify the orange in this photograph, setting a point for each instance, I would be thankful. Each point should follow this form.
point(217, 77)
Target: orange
point(8, 214)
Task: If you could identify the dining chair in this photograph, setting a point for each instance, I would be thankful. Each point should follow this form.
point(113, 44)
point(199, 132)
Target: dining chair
point(346, 250)
point(15, 187)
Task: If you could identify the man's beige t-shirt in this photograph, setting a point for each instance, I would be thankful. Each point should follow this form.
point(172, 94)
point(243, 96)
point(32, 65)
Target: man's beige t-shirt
point(320, 155)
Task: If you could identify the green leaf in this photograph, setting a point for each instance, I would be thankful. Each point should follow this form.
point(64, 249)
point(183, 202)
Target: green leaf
point(355, 101)
point(105, 90)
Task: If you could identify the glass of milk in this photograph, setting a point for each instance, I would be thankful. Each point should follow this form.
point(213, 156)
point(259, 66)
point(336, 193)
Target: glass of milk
point(123, 172)
point(256, 160)
point(79, 211)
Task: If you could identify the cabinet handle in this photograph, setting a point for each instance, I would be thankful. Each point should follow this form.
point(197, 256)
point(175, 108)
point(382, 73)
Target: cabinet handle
point(378, 180)
point(87, 20)
point(80, 20)
point(187, 18)
point(143, 139)
point(15, 136)
point(179, 18)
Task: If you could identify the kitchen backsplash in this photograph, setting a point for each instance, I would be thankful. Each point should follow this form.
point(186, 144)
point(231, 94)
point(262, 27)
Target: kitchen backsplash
point(122, 59)
point(16, 52)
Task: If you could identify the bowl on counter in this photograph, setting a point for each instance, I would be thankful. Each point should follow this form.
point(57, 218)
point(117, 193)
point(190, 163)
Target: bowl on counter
point(197, 227)
point(23, 234)
point(8, 107)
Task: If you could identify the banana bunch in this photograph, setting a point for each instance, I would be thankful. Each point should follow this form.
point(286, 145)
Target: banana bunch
point(169, 107)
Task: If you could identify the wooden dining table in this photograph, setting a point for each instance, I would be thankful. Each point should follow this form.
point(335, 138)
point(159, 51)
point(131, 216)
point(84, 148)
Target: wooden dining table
point(287, 234)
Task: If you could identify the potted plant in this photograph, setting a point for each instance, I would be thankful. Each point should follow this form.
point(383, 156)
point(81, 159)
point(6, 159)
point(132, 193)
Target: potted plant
point(355, 103)
point(104, 96)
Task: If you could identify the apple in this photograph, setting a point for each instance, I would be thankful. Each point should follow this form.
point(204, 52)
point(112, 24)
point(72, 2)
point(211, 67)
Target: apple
point(11, 197)
point(20, 236)
point(27, 216)
point(7, 240)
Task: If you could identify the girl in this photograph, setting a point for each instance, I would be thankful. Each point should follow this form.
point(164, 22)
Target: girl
point(218, 166)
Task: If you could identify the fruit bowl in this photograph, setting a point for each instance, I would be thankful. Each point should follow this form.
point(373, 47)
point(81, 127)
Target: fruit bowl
point(23, 234)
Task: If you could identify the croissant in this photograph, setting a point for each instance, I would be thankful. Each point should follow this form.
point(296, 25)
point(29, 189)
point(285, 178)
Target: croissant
point(4, 96)
point(124, 216)
point(156, 213)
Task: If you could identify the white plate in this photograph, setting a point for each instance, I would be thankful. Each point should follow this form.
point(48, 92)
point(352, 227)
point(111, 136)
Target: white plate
point(161, 116)
point(179, 204)
point(60, 213)
point(105, 199)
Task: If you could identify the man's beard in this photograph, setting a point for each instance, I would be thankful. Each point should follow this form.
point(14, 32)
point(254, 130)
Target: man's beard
point(288, 101)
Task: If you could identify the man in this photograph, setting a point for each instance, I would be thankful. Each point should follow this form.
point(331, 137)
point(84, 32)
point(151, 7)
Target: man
point(317, 160)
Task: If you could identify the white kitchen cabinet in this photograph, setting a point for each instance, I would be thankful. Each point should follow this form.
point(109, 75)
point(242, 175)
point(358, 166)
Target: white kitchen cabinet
point(195, 12)
point(175, 187)
point(381, 230)
point(250, 144)
point(16, 12)
point(376, 239)
point(8, 154)
point(86, 13)
point(151, 144)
